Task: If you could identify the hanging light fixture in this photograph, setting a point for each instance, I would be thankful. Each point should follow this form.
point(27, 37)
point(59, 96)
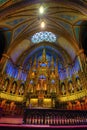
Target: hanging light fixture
point(41, 9)
point(42, 24)
point(41, 16)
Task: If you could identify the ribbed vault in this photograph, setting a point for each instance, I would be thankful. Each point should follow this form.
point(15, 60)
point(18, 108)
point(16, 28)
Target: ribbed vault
point(23, 21)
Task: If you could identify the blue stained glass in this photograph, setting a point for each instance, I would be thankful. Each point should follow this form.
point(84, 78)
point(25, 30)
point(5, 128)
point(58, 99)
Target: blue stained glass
point(16, 73)
point(25, 76)
point(43, 36)
point(22, 76)
point(76, 66)
point(43, 65)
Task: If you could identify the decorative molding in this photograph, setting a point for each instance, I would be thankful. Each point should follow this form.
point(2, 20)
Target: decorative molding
point(72, 97)
point(11, 97)
point(5, 55)
point(80, 51)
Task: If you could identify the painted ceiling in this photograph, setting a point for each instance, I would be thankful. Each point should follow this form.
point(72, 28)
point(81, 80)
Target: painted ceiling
point(20, 21)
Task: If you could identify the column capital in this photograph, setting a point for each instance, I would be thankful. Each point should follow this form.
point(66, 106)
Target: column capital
point(5, 55)
point(80, 52)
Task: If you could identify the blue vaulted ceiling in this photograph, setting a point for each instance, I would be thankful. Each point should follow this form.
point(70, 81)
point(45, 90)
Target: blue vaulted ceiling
point(63, 19)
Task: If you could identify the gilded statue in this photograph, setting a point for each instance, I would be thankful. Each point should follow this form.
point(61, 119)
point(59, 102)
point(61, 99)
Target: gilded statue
point(63, 89)
point(71, 88)
point(5, 85)
point(14, 86)
point(79, 86)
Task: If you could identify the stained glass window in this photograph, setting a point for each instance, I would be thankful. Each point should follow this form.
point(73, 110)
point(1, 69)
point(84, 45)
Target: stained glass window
point(43, 36)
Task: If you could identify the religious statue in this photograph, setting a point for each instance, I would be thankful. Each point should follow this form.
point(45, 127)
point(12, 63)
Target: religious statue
point(63, 88)
point(5, 86)
point(71, 88)
point(79, 86)
point(52, 75)
point(21, 90)
point(13, 90)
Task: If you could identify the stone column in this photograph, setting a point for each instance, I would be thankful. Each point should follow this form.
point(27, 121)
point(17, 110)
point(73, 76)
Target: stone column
point(81, 59)
point(4, 62)
point(19, 72)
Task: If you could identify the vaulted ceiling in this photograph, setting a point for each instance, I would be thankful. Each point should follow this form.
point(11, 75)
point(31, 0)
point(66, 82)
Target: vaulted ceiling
point(20, 20)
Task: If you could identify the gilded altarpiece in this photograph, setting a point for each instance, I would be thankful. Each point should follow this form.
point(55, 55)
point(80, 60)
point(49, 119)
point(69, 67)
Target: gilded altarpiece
point(43, 83)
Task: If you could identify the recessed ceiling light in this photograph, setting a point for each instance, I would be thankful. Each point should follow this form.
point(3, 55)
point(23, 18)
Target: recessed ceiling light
point(41, 10)
point(42, 24)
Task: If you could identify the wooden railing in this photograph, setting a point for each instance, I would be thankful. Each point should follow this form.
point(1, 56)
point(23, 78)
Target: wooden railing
point(54, 117)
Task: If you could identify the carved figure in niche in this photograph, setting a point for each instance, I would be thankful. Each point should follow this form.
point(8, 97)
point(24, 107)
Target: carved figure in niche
point(53, 88)
point(21, 90)
point(3, 103)
point(69, 106)
point(63, 89)
point(5, 86)
point(52, 75)
point(30, 87)
point(11, 106)
point(78, 105)
point(33, 74)
point(14, 86)
point(70, 86)
point(38, 87)
point(45, 87)
point(79, 86)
